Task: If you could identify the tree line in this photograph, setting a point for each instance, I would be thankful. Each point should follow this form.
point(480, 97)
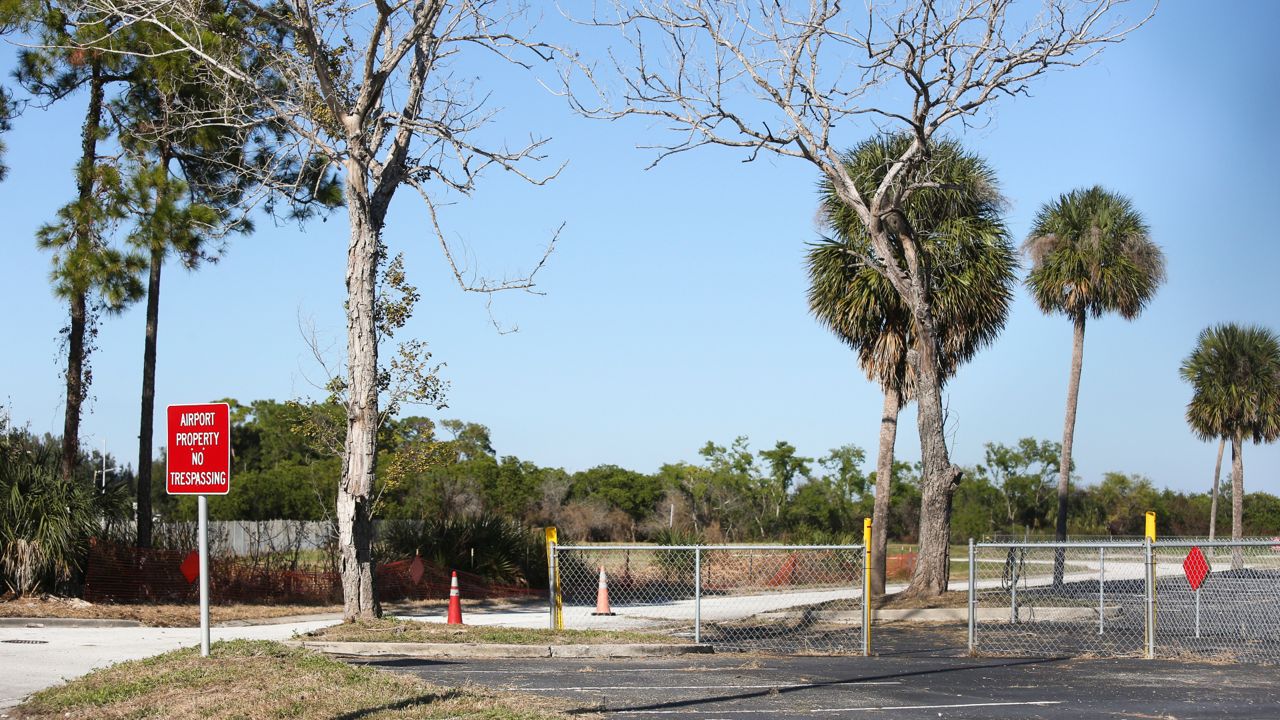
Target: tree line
point(483, 510)
point(733, 492)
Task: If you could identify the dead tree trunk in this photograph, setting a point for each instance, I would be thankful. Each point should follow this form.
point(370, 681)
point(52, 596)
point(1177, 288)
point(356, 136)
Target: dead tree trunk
point(355, 524)
point(938, 481)
point(939, 477)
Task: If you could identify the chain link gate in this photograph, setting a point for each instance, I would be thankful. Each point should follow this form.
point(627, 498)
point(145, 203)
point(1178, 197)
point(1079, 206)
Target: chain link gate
point(1127, 599)
point(1039, 599)
point(1235, 614)
point(787, 598)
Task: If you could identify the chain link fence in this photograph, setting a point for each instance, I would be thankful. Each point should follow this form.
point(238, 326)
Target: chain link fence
point(1127, 599)
point(1235, 614)
point(786, 598)
point(1058, 598)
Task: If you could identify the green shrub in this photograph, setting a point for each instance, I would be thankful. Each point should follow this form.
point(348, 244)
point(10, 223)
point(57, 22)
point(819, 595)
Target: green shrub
point(46, 521)
point(488, 545)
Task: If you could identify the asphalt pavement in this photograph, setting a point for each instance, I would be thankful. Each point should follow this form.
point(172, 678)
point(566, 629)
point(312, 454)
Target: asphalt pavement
point(902, 686)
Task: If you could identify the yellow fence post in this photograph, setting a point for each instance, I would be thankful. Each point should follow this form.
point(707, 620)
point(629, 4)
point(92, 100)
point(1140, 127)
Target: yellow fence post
point(866, 587)
point(553, 581)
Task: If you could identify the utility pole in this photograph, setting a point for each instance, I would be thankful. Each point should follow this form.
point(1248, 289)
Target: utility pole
point(105, 469)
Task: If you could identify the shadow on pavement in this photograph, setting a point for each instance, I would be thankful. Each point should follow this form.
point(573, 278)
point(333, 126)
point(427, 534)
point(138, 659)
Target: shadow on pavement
point(676, 704)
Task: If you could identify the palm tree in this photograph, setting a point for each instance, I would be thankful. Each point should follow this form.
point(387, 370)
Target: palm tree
point(1234, 373)
point(1091, 254)
point(971, 262)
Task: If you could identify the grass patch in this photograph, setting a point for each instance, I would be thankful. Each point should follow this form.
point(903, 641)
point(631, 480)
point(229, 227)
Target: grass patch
point(254, 679)
point(412, 631)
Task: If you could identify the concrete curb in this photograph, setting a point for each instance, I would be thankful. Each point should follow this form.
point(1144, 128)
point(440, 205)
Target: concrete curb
point(11, 622)
point(496, 650)
point(334, 618)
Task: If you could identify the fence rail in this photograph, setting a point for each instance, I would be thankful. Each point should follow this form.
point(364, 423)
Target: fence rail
point(795, 598)
point(1127, 599)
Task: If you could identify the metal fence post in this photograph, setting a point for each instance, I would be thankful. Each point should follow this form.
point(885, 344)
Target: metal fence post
point(554, 606)
point(1013, 592)
point(697, 594)
point(866, 587)
point(1102, 578)
point(1151, 561)
point(973, 597)
point(1150, 623)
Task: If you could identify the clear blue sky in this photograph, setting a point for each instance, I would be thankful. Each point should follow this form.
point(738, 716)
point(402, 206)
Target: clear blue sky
point(675, 303)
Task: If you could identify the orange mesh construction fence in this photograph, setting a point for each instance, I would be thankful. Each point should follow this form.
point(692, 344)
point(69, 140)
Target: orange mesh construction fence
point(900, 566)
point(124, 574)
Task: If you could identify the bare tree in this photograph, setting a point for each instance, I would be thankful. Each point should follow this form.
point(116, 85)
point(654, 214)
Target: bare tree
point(794, 79)
point(372, 90)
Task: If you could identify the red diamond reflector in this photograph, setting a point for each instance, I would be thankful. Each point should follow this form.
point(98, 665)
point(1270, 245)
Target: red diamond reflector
point(191, 566)
point(1196, 566)
point(416, 570)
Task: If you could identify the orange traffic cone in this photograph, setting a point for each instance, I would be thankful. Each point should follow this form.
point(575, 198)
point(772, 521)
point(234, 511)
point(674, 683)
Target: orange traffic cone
point(602, 595)
point(455, 602)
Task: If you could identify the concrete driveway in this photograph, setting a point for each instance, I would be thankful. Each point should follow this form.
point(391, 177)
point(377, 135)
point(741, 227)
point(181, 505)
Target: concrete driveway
point(47, 656)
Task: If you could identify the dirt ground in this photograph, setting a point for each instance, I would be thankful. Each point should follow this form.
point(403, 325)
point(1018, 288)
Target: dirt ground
point(157, 615)
point(949, 600)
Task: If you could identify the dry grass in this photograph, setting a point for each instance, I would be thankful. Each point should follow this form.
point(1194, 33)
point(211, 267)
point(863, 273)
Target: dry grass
point(411, 631)
point(244, 679)
point(188, 615)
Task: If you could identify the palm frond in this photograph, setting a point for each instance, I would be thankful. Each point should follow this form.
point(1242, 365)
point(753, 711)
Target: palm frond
point(967, 253)
point(1091, 253)
point(1234, 372)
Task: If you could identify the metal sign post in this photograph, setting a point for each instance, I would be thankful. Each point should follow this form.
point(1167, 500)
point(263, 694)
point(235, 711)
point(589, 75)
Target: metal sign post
point(1197, 569)
point(199, 463)
point(202, 506)
point(1197, 612)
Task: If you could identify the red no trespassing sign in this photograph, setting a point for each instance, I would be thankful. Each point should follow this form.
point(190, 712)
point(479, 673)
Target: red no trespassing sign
point(199, 449)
